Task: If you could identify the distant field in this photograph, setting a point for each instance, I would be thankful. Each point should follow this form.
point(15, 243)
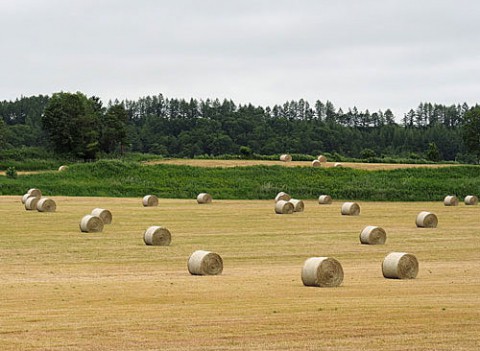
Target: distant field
point(245, 163)
point(64, 290)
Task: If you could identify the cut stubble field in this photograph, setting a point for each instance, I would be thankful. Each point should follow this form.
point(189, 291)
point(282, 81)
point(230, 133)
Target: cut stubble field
point(66, 290)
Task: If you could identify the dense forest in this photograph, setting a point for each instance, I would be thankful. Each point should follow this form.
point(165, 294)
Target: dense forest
point(191, 128)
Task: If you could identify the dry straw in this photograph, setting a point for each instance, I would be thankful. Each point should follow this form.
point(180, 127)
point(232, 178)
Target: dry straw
point(400, 265)
point(35, 192)
point(322, 158)
point(204, 198)
point(285, 158)
point(205, 263)
point(324, 199)
point(316, 163)
point(450, 200)
point(471, 200)
point(25, 197)
point(104, 214)
point(426, 220)
point(337, 164)
point(46, 205)
point(62, 168)
point(91, 224)
point(31, 203)
point(322, 272)
point(284, 207)
point(350, 209)
point(298, 205)
point(157, 236)
point(282, 196)
point(150, 200)
point(373, 235)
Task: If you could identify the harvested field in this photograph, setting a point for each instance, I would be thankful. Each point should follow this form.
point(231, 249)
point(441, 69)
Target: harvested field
point(245, 163)
point(64, 290)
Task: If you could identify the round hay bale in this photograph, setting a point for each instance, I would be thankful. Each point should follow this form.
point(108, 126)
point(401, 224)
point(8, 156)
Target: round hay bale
point(157, 236)
point(322, 272)
point(350, 209)
point(298, 205)
point(150, 201)
point(373, 235)
point(322, 158)
point(62, 168)
point(104, 214)
point(316, 163)
point(400, 265)
point(35, 192)
point(284, 207)
point(25, 197)
point(426, 220)
point(46, 205)
point(31, 203)
point(471, 200)
point(91, 224)
point(205, 263)
point(324, 199)
point(204, 198)
point(285, 158)
point(282, 196)
point(450, 200)
point(337, 164)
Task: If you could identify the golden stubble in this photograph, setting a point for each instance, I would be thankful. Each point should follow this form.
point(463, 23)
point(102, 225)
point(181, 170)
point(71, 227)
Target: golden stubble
point(66, 290)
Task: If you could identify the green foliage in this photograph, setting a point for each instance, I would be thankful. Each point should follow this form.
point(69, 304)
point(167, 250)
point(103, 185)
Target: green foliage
point(246, 152)
point(119, 178)
point(432, 153)
point(72, 123)
point(367, 153)
point(11, 173)
point(29, 159)
point(471, 131)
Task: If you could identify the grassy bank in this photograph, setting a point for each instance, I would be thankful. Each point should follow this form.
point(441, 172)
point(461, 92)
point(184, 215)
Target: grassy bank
point(129, 179)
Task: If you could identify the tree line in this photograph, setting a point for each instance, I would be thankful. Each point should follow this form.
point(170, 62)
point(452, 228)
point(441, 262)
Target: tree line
point(81, 126)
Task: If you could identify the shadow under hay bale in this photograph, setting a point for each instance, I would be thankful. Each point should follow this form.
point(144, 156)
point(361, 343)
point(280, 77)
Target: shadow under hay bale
point(203, 262)
point(400, 265)
point(322, 272)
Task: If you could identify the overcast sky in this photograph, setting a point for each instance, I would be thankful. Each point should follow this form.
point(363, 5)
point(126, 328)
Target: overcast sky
point(373, 54)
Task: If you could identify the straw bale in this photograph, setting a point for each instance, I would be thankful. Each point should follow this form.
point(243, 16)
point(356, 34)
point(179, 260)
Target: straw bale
point(426, 220)
point(322, 272)
point(46, 205)
point(471, 200)
point(284, 207)
point(157, 236)
point(204, 198)
point(400, 265)
point(350, 209)
point(104, 214)
point(150, 201)
point(373, 235)
point(91, 224)
point(203, 262)
point(324, 199)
